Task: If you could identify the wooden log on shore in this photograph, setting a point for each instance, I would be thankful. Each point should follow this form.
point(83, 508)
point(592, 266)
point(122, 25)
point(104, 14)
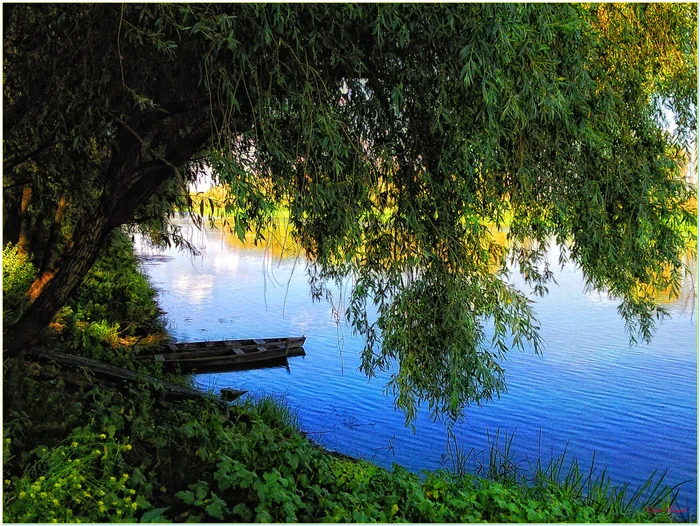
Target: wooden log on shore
point(117, 377)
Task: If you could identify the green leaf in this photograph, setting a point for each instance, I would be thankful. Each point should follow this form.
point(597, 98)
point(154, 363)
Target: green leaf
point(186, 496)
point(142, 502)
point(216, 508)
point(154, 515)
point(201, 488)
point(243, 512)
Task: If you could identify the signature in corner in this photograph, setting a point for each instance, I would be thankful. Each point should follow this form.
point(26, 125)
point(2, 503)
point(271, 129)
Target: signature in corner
point(670, 510)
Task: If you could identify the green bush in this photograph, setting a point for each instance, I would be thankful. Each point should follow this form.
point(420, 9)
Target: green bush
point(116, 291)
point(18, 273)
point(82, 479)
point(114, 306)
point(191, 462)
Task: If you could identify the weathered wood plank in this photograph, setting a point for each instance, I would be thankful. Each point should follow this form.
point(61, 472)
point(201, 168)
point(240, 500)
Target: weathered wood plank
point(227, 355)
point(220, 345)
point(201, 353)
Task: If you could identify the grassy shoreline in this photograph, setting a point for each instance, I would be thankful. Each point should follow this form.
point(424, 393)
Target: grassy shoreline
point(82, 453)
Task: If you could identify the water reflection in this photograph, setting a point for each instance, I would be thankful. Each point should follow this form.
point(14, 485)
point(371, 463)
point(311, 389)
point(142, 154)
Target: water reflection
point(195, 289)
point(687, 298)
point(278, 246)
point(636, 407)
point(277, 242)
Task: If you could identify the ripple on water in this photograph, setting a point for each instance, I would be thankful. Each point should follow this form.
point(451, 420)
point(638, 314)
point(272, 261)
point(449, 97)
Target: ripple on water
point(635, 407)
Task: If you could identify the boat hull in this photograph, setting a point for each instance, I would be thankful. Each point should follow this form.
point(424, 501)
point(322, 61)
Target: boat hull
point(227, 355)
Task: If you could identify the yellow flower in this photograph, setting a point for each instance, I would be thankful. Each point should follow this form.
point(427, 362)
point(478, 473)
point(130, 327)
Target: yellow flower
point(54, 520)
point(57, 485)
point(7, 482)
point(74, 444)
point(119, 512)
point(134, 505)
point(55, 501)
point(125, 476)
point(395, 508)
point(103, 436)
point(86, 494)
point(127, 447)
point(22, 494)
point(132, 491)
point(42, 494)
point(113, 479)
point(127, 499)
point(42, 478)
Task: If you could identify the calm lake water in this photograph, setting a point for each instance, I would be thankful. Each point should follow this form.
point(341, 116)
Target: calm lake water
point(590, 392)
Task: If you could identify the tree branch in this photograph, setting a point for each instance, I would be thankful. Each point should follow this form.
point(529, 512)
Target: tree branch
point(9, 164)
point(154, 173)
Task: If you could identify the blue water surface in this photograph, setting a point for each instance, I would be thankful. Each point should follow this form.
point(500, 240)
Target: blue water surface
point(590, 392)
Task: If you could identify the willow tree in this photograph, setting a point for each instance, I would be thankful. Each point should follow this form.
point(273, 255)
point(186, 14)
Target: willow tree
point(399, 137)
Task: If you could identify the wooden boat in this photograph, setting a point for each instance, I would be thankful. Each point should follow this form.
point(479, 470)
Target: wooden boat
point(227, 355)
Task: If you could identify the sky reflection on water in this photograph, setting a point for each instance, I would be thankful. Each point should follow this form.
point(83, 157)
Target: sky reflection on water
point(590, 391)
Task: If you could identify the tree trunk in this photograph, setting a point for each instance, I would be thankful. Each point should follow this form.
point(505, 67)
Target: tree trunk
point(25, 221)
point(130, 186)
point(11, 217)
point(49, 255)
point(53, 287)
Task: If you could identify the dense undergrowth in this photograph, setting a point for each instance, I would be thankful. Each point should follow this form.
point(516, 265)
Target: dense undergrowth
point(88, 454)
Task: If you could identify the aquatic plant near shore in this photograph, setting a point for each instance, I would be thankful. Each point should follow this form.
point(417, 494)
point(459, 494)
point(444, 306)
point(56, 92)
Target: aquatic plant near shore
point(562, 477)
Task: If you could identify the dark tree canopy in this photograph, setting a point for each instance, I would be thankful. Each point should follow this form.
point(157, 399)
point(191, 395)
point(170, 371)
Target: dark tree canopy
point(399, 137)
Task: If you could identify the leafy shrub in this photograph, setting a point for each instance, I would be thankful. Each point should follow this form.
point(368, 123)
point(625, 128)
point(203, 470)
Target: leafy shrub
point(192, 463)
point(18, 273)
point(78, 480)
point(115, 305)
point(116, 291)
